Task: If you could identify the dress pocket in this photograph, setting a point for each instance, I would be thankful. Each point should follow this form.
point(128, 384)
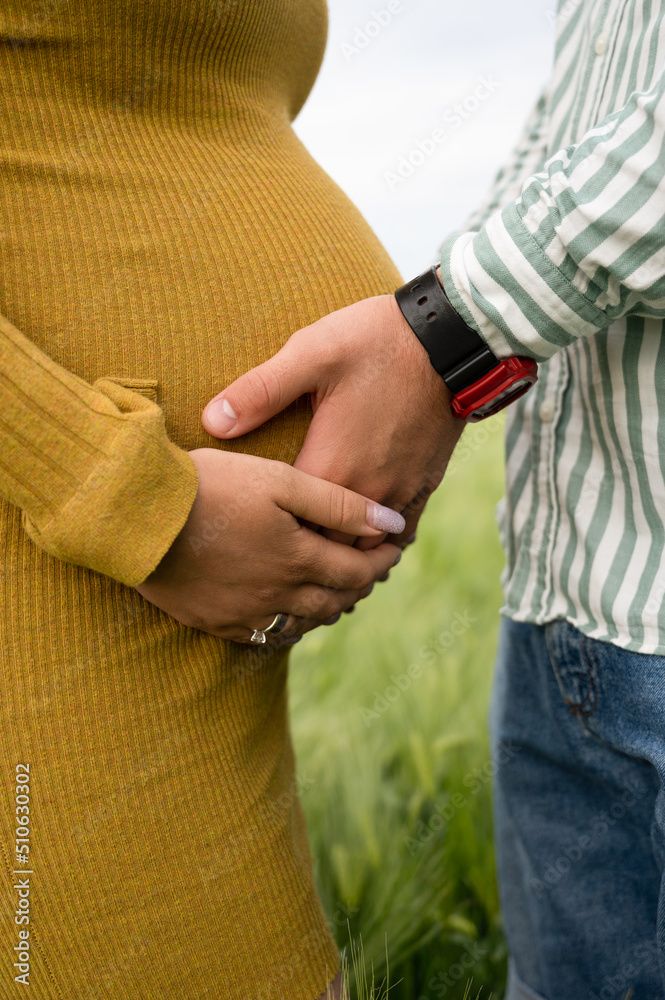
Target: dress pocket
point(144, 386)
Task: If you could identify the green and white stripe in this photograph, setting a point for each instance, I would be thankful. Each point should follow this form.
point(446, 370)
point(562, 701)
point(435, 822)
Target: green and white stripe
point(566, 264)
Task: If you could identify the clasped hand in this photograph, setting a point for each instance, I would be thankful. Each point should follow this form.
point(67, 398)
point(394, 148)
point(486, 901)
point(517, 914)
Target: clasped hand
point(382, 423)
point(244, 555)
point(382, 431)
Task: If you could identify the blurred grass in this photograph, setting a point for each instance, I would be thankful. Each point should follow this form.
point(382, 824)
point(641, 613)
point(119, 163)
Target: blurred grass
point(397, 801)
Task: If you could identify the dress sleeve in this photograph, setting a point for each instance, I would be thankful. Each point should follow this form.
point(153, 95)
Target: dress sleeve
point(97, 479)
point(581, 246)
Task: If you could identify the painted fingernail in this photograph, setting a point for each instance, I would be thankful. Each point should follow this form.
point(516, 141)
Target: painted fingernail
point(350, 610)
point(385, 519)
point(382, 579)
point(220, 416)
point(399, 556)
point(411, 539)
point(292, 642)
point(335, 618)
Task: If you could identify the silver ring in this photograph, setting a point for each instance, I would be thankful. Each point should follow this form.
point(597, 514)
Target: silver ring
point(277, 625)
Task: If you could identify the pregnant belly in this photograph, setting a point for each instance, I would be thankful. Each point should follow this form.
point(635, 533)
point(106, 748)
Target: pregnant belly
point(174, 263)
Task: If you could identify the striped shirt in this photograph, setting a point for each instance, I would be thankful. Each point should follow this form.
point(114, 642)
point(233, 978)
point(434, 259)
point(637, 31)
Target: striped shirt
point(566, 264)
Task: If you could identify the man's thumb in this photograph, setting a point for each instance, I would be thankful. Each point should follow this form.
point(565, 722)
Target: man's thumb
point(254, 397)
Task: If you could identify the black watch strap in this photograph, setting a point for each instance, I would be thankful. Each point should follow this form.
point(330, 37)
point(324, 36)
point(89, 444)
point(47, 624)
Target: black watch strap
point(458, 353)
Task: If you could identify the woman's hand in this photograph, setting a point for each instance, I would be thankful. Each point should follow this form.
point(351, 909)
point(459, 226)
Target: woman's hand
point(243, 556)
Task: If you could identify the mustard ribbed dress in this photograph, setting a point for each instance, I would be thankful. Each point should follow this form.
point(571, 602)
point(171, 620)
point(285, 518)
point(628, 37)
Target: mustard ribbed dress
point(162, 230)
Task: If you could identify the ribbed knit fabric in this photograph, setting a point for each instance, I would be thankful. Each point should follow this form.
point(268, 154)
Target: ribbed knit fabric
point(161, 231)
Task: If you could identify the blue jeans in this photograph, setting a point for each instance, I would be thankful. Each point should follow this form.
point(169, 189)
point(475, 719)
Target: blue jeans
point(579, 815)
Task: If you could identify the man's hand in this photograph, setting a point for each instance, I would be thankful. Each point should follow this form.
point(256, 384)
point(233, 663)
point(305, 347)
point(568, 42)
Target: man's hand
point(382, 422)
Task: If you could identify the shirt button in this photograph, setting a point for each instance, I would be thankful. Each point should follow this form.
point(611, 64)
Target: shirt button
point(601, 45)
point(546, 411)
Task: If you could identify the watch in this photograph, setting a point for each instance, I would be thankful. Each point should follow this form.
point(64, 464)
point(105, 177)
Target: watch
point(481, 383)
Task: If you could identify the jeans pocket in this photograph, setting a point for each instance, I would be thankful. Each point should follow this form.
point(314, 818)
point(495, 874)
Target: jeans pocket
point(575, 668)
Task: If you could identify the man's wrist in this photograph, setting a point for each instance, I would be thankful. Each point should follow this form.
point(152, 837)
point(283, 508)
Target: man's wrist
point(480, 383)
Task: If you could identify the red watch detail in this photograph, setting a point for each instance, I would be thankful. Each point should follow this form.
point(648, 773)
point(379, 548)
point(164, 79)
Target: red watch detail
point(511, 378)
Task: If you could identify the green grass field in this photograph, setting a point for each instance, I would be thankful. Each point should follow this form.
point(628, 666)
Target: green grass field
point(389, 711)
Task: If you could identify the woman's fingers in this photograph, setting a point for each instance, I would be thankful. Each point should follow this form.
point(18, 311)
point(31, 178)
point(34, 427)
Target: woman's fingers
point(333, 506)
point(331, 564)
point(295, 630)
point(294, 627)
point(307, 606)
point(320, 603)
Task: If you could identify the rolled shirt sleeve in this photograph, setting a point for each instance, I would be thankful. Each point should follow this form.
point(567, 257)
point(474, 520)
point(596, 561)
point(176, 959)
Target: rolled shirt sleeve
point(581, 246)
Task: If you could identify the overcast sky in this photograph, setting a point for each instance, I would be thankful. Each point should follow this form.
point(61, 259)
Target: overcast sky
point(390, 82)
